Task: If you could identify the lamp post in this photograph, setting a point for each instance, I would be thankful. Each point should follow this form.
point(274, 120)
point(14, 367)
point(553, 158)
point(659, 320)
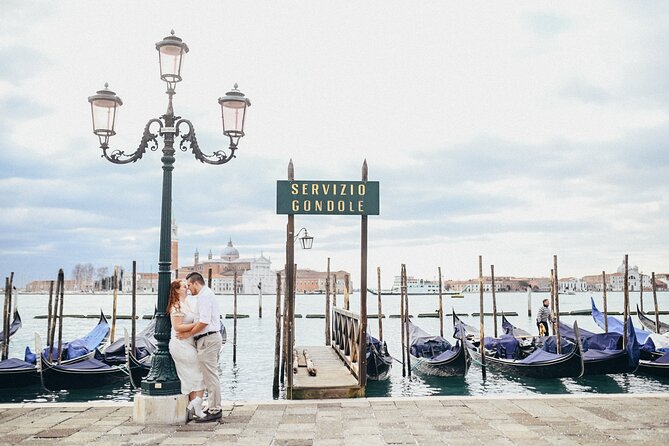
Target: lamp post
point(306, 240)
point(162, 378)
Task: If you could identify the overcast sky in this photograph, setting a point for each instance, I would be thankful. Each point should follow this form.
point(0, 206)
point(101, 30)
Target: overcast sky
point(512, 130)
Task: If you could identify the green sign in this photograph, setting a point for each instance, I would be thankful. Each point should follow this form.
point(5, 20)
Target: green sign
point(327, 197)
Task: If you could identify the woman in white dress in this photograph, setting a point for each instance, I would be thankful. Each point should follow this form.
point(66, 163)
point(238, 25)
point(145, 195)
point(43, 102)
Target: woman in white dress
point(183, 351)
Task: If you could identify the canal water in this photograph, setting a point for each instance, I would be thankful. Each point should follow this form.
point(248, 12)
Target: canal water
point(251, 377)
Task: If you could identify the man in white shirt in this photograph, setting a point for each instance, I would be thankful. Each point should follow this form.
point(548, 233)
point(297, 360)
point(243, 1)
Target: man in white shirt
point(208, 341)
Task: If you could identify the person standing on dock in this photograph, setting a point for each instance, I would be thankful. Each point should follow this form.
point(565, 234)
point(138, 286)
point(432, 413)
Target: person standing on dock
point(543, 316)
point(208, 341)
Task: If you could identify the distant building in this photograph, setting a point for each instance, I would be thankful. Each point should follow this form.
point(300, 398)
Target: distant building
point(251, 272)
point(308, 281)
point(502, 284)
point(572, 285)
point(145, 283)
point(43, 286)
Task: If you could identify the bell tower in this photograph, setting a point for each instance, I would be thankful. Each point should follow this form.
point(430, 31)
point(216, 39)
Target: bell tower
point(175, 246)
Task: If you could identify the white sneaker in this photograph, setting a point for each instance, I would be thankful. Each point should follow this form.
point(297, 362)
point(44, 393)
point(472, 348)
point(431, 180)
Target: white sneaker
point(197, 407)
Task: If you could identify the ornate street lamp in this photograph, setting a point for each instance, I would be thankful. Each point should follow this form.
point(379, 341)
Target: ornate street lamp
point(306, 240)
point(162, 378)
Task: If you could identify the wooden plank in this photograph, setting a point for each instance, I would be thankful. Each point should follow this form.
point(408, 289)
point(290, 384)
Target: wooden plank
point(334, 379)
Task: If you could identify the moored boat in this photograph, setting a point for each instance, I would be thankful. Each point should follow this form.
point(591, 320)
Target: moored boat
point(435, 356)
point(84, 374)
point(655, 367)
point(379, 361)
point(13, 327)
point(537, 359)
point(649, 324)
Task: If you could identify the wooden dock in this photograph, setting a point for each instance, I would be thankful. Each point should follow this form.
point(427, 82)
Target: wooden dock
point(333, 378)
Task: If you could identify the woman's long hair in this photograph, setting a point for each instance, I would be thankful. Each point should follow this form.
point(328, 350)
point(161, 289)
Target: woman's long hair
point(173, 301)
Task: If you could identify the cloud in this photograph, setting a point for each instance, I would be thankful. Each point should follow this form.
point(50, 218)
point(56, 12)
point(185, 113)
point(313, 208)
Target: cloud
point(24, 64)
point(515, 133)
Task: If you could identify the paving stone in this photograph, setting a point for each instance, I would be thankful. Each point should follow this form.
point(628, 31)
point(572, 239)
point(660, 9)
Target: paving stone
point(292, 442)
point(329, 442)
point(56, 433)
point(305, 427)
point(185, 440)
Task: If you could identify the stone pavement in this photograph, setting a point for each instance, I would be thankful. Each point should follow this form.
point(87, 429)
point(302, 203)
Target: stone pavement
point(494, 420)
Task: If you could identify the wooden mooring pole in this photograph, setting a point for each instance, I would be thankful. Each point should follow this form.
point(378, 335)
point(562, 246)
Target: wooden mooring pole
point(481, 319)
point(290, 291)
point(557, 305)
point(328, 335)
point(277, 335)
point(657, 312)
point(50, 317)
point(51, 336)
point(626, 302)
point(5, 320)
point(260, 300)
point(61, 290)
point(234, 315)
point(378, 296)
point(284, 331)
point(402, 326)
point(406, 318)
point(641, 291)
point(133, 323)
point(362, 359)
point(115, 287)
point(209, 273)
point(552, 320)
point(494, 299)
point(347, 291)
point(334, 291)
point(606, 310)
point(441, 305)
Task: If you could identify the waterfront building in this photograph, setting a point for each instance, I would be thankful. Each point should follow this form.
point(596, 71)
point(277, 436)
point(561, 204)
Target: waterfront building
point(502, 284)
point(43, 286)
point(308, 281)
point(251, 272)
point(572, 285)
point(145, 282)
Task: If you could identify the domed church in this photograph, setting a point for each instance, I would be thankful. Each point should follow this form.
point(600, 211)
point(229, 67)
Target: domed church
point(253, 274)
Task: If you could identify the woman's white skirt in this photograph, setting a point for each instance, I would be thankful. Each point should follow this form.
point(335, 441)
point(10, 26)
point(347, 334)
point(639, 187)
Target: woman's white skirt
point(184, 354)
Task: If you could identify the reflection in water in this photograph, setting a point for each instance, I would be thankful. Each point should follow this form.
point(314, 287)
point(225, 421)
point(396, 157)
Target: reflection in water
point(594, 384)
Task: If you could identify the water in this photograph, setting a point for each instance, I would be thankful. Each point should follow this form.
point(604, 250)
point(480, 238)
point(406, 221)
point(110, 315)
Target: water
point(251, 377)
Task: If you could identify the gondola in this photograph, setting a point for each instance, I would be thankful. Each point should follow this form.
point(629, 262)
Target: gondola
point(655, 367)
point(379, 361)
point(15, 373)
point(435, 356)
point(649, 342)
point(603, 352)
point(145, 345)
point(83, 347)
point(654, 356)
point(536, 360)
point(511, 329)
point(84, 374)
point(13, 327)
point(649, 324)
point(461, 328)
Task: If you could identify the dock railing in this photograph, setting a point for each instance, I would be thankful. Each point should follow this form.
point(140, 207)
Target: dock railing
point(346, 338)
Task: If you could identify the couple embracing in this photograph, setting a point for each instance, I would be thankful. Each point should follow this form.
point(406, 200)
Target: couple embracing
point(195, 344)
